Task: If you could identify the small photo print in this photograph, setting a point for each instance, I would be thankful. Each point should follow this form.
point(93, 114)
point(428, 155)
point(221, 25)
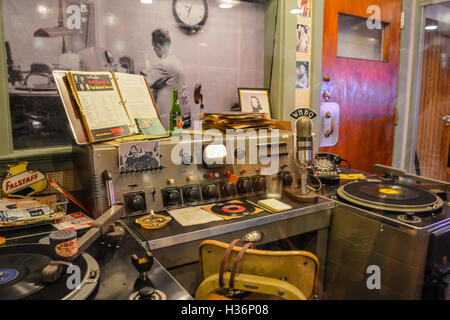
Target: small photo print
point(136, 156)
point(303, 38)
point(255, 101)
point(302, 75)
point(304, 7)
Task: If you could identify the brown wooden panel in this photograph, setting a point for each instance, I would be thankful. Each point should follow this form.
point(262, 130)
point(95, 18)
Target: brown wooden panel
point(365, 90)
point(433, 137)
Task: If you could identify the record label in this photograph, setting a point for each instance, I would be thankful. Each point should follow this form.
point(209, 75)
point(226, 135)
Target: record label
point(389, 191)
point(8, 275)
point(233, 209)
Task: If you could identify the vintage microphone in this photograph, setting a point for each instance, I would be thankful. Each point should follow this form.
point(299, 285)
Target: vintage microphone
point(303, 154)
point(304, 150)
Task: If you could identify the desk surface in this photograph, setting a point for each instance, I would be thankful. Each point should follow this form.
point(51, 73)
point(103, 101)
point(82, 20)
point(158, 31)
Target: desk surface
point(174, 233)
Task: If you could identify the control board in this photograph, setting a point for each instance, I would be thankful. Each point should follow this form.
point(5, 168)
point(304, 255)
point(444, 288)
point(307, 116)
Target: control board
point(182, 180)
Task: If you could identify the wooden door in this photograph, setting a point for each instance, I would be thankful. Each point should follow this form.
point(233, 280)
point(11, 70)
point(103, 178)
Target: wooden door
point(366, 90)
point(433, 136)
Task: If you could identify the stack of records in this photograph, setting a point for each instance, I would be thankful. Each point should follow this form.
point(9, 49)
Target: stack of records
point(237, 121)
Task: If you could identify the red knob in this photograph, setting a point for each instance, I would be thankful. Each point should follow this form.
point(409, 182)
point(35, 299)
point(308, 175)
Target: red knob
point(244, 171)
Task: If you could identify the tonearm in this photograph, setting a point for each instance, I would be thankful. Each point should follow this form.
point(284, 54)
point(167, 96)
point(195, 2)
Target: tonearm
point(393, 173)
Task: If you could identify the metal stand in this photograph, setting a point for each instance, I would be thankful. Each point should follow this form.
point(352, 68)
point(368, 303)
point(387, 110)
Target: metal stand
point(301, 193)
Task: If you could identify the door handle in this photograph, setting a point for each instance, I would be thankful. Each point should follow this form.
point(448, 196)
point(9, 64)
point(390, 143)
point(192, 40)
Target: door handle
point(447, 120)
point(328, 133)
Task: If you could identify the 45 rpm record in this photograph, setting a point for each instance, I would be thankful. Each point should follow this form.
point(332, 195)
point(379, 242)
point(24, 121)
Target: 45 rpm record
point(394, 197)
point(233, 209)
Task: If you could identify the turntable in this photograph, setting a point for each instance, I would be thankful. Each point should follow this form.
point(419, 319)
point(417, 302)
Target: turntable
point(106, 271)
point(21, 275)
point(398, 201)
point(394, 197)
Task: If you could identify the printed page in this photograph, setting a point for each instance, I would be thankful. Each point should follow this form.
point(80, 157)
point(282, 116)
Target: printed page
point(136, 96)
point(100, 104)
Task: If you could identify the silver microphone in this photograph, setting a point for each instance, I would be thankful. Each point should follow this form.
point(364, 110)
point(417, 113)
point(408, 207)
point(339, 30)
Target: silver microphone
point(304, 153)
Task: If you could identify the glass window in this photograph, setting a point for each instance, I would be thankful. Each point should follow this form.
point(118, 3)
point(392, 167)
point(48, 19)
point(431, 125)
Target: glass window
point(205, 48)
point(358, 38)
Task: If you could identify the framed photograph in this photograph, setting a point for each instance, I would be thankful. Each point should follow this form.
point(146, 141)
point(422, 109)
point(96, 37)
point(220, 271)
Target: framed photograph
point(302, 75)
point(255, 100)
point(303, 38)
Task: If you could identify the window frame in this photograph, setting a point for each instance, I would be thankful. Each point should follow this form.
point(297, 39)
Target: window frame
point(51, 158)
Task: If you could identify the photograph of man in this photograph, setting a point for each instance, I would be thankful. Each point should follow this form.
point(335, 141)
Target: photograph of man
point(165, 75)
point(303, 38)
point(302, 75)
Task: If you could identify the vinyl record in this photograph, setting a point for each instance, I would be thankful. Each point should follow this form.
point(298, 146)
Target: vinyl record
point(394, 197)
point(21, 274)
point(233, 209)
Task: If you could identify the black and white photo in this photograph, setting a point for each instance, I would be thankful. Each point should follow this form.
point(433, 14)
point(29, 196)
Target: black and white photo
point(255, 100)
point(302, 75)
point(138, 156)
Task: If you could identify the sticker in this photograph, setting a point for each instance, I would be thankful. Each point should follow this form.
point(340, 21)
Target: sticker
point(21, 182)
point(67, 249)
point(389, 191)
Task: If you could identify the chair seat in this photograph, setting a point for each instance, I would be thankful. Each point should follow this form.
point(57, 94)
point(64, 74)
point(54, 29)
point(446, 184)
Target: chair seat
point(266, 274)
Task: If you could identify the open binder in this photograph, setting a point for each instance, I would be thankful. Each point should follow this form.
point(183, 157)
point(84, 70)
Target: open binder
point(103, 106)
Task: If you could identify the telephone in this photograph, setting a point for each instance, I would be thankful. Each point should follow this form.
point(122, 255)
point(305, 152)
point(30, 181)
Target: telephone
point(325, 167)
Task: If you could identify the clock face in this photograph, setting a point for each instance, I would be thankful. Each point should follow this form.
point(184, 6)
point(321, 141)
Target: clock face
point(190, 14)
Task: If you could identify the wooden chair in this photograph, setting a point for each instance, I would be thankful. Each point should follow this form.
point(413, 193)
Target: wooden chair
point(289, 275)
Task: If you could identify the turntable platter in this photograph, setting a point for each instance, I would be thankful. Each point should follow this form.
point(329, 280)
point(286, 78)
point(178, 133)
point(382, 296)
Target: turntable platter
point(394, 197)
point(20, 274)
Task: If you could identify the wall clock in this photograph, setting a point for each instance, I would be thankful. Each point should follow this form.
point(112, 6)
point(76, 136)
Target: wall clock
point(191, 15)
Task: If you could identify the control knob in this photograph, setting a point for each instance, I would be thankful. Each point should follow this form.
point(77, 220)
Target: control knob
point(211, 191)
point(136, 202)
point(286, 178)
point(229, 189)
point(244, 186)
point(192, 194)
point(260, 184)
point(173, 197)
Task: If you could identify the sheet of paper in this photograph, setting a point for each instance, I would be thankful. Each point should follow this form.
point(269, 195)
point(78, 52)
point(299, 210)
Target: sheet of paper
point(193, 216)
point(136, 96)
point(74, 221)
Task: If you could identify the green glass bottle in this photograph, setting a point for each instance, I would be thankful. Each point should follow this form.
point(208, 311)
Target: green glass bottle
point(175, 117)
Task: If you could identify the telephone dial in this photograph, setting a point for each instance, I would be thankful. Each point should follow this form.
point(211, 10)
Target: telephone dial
point(325, 167)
